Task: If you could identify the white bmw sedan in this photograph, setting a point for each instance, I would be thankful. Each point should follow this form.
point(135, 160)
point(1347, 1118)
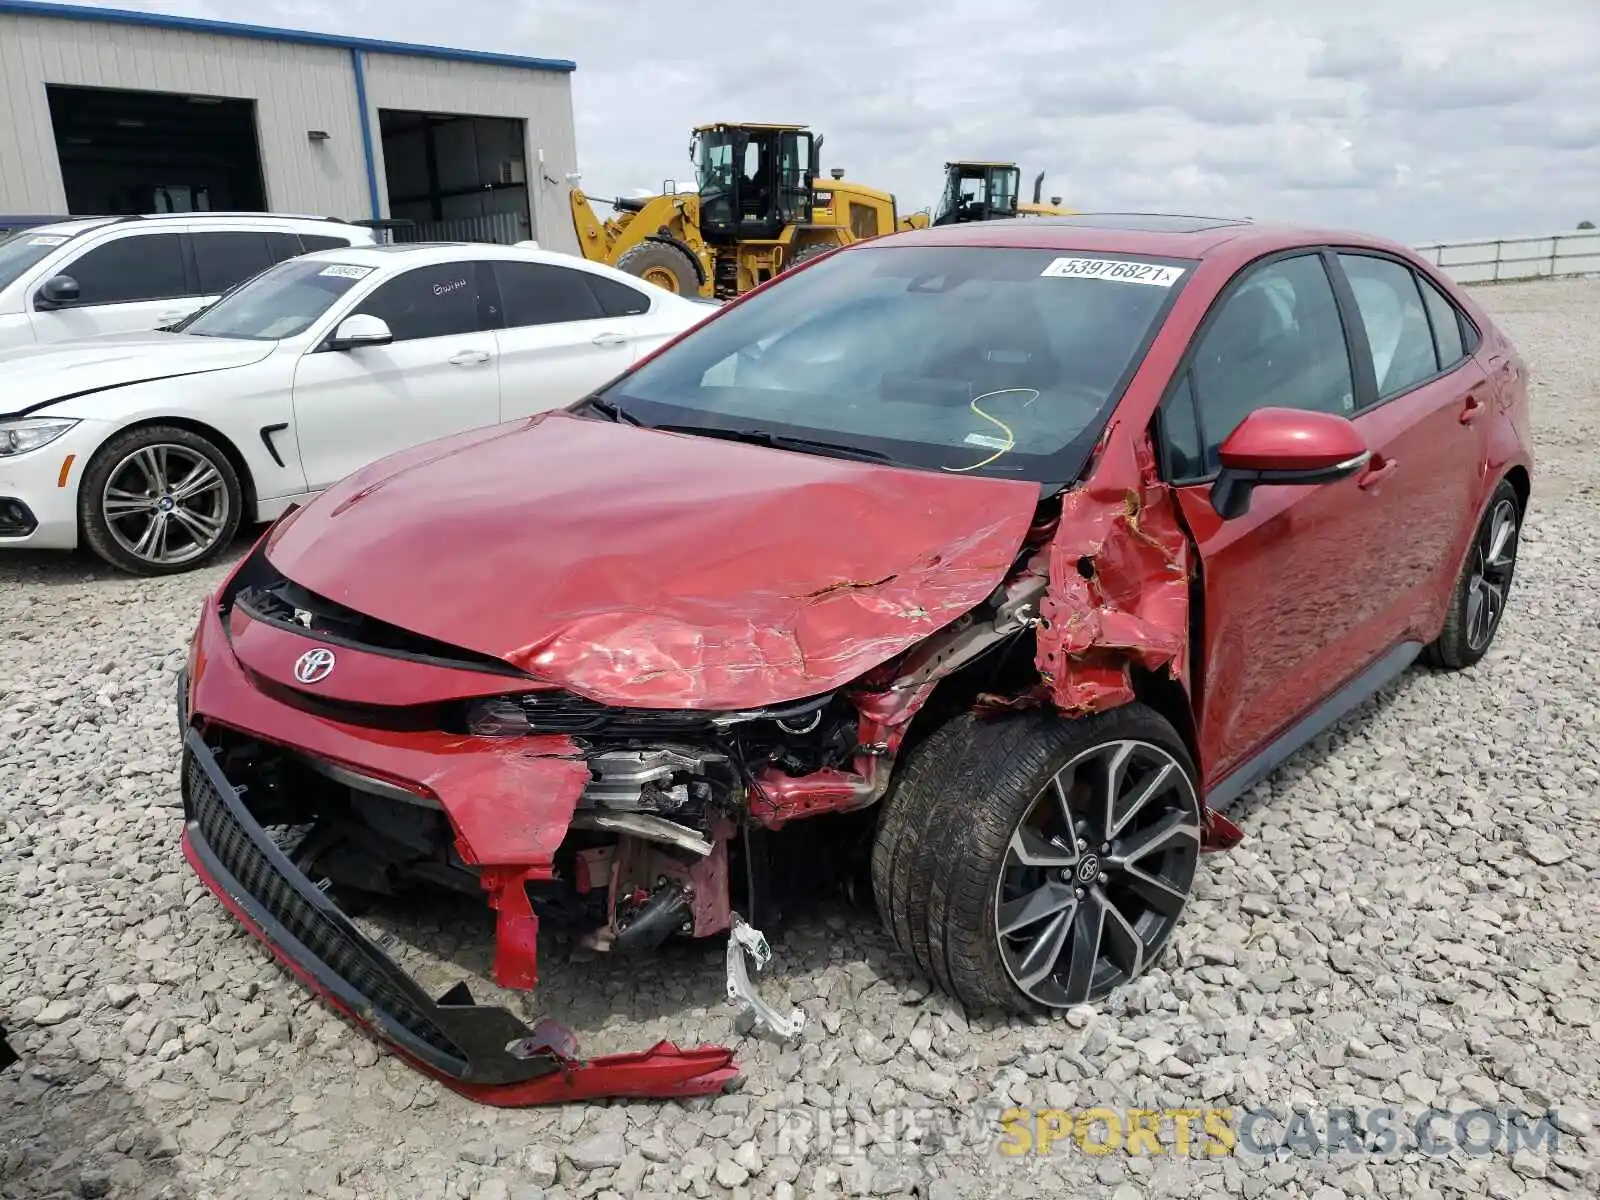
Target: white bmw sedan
point(154, 448)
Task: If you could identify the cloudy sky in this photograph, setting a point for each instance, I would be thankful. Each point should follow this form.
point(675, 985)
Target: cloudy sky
point(1419, 119)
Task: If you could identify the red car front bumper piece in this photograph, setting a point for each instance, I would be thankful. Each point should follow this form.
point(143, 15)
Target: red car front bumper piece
point(484, 1053)
point(661, 1071)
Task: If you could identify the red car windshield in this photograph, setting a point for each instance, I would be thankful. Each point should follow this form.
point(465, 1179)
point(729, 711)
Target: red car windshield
point(992, 360)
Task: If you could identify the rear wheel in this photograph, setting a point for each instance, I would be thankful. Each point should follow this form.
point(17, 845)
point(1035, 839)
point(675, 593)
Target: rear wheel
point(665, 266)
point(1479, 600)
point(1049, 860)
point(158, 500)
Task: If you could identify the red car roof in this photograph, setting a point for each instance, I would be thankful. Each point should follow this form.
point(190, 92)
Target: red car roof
point(1157, 235)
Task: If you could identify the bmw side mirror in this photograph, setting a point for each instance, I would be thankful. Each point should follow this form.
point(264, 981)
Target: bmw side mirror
point(1284, 447)
point(360, 330)
point(57, 291)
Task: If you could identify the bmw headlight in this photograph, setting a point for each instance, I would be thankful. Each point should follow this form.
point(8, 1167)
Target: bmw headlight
point(29, 433)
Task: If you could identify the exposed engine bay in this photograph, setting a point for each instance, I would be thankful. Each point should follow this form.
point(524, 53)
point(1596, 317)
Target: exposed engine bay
point(677, 823)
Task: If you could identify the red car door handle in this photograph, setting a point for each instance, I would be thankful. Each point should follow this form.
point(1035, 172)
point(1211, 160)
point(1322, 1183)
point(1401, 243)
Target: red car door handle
point(1470, 411)
point(1377, 471)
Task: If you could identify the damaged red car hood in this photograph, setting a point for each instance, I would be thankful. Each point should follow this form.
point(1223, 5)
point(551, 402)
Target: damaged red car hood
point(652, 569)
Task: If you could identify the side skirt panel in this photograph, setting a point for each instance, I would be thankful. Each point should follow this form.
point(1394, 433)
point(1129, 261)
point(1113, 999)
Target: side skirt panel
point(1360, 689)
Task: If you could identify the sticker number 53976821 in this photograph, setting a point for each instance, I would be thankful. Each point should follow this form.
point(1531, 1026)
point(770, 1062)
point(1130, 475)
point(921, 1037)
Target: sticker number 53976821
point(1117, 270)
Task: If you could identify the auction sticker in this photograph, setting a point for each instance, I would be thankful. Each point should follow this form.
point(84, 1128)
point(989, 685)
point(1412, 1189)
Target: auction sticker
point(341, 271)
point(1118, 270)
point(987, 442)
point(48, 240)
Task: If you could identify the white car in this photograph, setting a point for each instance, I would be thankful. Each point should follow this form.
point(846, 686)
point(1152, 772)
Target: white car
point(79, 278)
point(153, 448)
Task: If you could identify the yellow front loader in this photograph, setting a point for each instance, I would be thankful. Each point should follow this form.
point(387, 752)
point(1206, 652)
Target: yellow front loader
point(985, 191)
point(758, 208)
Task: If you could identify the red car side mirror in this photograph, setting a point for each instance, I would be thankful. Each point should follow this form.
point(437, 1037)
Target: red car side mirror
point(1284, 446)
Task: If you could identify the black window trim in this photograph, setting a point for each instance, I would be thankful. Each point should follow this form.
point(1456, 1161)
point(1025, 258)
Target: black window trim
point(1433, 326)
point(185, 256)
point(1363, 380)
point(1181, 381)
point(590, 276)
point(191, 268)
point(191, 265)
point(191, 260)
point(355, 298)
point(491, 301)
point(1374, 401)
point(1471, 336)
point(498, 324)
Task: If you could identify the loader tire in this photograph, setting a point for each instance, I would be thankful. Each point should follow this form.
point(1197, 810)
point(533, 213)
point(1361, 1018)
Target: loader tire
point(810, 252)
point(665, 266)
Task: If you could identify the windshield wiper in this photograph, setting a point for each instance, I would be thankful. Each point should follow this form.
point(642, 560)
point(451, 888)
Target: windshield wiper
point(763, 437)
point(615, 411)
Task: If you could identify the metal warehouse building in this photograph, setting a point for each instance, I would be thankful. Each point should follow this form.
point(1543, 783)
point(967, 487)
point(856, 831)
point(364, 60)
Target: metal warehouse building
point(107, 111)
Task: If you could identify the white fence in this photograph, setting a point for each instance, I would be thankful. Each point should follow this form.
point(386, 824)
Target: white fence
point(1502, 259)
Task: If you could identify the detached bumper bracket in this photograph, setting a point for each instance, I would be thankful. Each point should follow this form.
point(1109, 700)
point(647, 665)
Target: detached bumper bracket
point(744, 939)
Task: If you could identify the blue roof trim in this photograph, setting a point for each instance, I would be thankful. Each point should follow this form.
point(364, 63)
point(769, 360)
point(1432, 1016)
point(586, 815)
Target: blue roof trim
point(121, 16)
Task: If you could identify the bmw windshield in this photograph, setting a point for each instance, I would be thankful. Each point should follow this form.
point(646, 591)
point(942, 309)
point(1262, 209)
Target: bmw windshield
point(993, 360)
point(23, 248)
point(280, 302)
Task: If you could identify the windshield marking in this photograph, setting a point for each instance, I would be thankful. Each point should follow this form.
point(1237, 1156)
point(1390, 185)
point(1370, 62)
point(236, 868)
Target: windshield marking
point(345, 271)
point(1116, 269)
point(1011, 438)
point(884, 351)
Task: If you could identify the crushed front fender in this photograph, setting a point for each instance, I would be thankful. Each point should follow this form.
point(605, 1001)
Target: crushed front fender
point(1119, 585)
point(485, 1053)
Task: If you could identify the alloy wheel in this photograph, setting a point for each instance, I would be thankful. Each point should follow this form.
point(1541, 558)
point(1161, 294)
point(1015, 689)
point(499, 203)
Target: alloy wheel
point(165, 504)
point(1494, 561)
point(1097, 873)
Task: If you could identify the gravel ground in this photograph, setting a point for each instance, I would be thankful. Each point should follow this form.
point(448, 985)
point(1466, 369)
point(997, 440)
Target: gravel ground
point(1410, 923)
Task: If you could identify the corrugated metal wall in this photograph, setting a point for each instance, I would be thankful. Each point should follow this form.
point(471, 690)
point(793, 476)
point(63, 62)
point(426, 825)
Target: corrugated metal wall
point(543, 99)
point(296, 89)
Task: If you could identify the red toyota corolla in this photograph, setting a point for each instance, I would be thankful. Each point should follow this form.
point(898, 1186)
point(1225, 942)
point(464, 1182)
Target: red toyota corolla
point(1034, 544)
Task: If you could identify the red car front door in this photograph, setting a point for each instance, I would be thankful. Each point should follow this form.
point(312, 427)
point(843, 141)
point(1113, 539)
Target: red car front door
point(1298, 593)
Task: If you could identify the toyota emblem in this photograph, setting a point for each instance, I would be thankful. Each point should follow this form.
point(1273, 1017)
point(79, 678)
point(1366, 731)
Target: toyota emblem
point(314, 666)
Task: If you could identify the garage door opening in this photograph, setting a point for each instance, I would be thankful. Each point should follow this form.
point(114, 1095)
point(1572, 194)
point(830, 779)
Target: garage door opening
point(143, 152)
point(459, 178)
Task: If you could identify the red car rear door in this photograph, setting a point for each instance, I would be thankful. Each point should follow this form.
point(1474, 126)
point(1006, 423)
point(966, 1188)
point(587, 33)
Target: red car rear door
point(1298, 593)
point(1426, 424)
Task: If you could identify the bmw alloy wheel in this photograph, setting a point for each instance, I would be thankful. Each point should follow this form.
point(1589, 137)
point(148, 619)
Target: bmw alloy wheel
point(166, 504)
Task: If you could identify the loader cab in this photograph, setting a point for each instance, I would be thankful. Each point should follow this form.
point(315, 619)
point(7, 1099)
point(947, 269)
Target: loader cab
point(754, 180)
point(978, 191)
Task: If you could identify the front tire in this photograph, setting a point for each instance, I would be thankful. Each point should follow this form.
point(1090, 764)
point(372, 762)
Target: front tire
point(1478, 601)
point(159, 500)
point(667, 267)
point(1049, 864)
